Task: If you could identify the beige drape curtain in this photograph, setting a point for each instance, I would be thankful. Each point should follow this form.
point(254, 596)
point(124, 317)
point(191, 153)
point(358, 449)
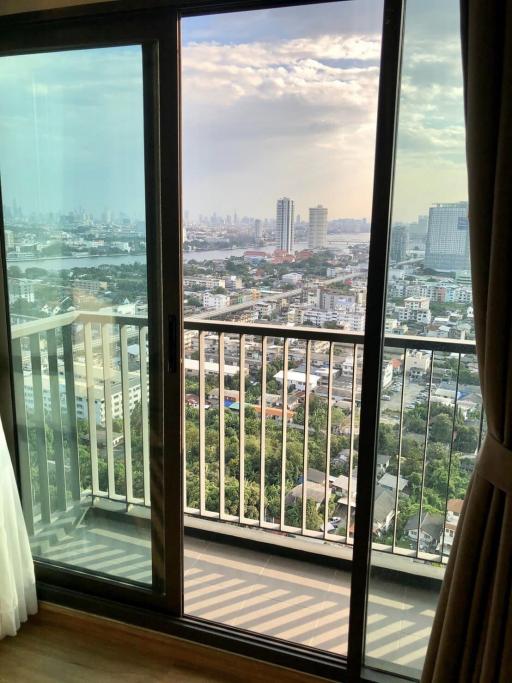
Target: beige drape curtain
point(472, 633)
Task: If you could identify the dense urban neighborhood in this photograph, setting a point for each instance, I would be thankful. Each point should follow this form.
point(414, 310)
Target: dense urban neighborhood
point(283, 272)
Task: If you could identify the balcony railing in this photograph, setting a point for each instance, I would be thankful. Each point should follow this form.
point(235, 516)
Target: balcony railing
point(271, 425)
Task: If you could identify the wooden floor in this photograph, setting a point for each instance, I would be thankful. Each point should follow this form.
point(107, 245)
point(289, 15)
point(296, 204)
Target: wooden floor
point(64, 646)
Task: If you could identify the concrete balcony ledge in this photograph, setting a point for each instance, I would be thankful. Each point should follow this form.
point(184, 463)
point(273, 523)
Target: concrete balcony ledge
point(384, 562)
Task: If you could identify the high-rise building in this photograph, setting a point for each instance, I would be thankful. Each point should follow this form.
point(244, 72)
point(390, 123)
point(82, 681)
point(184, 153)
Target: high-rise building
point(423, 225)
point(399, 243)
point(448, 238)
point(9, 239)
point(284, 223)
point(418, 233)
point(317, 227)
point(258, 229)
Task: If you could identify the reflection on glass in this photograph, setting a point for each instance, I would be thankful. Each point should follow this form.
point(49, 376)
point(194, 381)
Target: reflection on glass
point(73, 189)
point(279, 112)
point(430, 412)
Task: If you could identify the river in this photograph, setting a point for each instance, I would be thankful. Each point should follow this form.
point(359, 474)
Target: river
point(66, 263)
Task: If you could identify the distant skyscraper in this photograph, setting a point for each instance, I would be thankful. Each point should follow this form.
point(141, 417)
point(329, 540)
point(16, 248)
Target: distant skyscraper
point(448, 237)
point(317, 227)
point(9, 239)
point(423, 225)
point(418, 233)
point(399, 243)
point(284, 223)
point(258, 229)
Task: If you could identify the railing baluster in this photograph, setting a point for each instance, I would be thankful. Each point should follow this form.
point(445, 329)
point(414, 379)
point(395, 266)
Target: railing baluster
point(328, 438)
point(91, 408)
point(56, 419)
point(22, 433)
point(106, 335)
point(352, 438)
point(424, 470)
point(263, 426)
point(241, 402)
point(284, 423)
point(455, 406)
point(222, 447)
point(144, 402)
point(202, 458)
point(400, 437)
point(39, 428)
point(72, 432)
point(305, 453)
point(125, 389)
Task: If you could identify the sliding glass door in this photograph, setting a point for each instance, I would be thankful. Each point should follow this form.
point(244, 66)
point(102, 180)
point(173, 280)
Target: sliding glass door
point(431, 419)
point(218, 414)
point(75, 237)
point(279, 118)
point(86, 305)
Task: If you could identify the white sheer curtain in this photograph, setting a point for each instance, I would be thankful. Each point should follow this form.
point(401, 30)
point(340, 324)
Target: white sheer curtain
point(17, 583)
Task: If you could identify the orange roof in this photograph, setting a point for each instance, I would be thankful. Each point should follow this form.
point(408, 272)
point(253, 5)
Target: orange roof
point(455, 505)
point(273, 412)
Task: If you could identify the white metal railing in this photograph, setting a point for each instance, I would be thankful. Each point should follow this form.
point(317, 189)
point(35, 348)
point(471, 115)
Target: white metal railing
point(78, 379)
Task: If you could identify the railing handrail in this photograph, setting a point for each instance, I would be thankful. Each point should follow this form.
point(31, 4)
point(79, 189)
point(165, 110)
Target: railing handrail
point(43, 324)
point(53, 322)
point(113, 318)
point(397, 341)
point(400, 341)
point(268, 330)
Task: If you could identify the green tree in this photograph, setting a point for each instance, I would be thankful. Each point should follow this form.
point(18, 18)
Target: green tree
point(441, 428)
point(466, 439)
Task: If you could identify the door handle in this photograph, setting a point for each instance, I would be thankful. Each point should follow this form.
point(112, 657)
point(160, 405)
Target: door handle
point(173, 345)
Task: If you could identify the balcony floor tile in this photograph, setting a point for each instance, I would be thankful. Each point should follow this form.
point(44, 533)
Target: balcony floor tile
point(282, 597)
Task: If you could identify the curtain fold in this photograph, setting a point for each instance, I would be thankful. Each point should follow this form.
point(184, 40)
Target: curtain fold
point(471, 637)
point(17, 582)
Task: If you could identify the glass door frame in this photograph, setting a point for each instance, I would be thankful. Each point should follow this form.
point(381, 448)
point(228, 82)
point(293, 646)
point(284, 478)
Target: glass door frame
point(155, 31)
point(156, 25)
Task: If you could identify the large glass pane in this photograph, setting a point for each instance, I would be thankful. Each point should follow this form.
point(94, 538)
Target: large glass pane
point(72, 164)
point(279, 118)
point(430, 414)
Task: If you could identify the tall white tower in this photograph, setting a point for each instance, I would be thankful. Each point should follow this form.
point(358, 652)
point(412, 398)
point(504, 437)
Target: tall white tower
point(317, 227)
point(284, 223)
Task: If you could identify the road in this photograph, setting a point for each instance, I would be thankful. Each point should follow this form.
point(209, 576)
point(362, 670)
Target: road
point(217, 312)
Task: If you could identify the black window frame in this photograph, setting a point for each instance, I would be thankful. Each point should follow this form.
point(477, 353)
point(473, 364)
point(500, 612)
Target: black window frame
point(156, 25)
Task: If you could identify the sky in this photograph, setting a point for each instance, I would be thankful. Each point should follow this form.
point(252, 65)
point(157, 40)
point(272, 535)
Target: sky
point(276, 103)
point(71, 131)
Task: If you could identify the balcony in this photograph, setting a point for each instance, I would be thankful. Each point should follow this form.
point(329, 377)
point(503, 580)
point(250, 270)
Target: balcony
point(271, 424)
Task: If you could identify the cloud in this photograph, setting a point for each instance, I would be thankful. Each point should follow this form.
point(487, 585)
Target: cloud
point(296, 115)
point(280, 106)
point(286, 23)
